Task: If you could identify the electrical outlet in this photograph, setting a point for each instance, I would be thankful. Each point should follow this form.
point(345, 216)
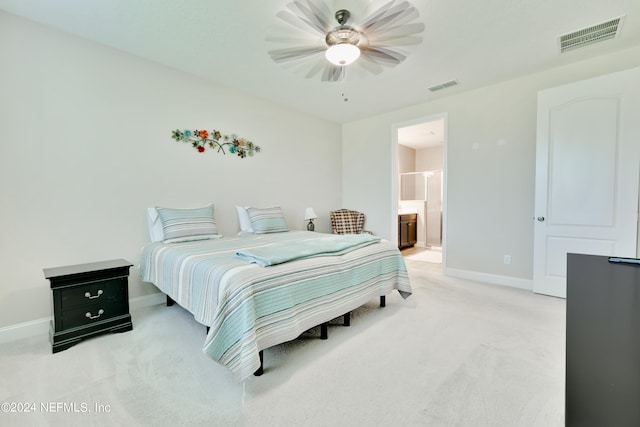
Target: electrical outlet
point(507, 259)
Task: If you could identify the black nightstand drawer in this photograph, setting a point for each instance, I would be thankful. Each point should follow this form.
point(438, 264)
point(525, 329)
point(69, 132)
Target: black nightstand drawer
point(98, 292)
point(88, 299)
point(94, 313)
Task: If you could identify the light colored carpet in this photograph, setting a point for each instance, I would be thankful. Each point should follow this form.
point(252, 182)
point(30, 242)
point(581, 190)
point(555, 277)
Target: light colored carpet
point(456, 353)
point(426, 255)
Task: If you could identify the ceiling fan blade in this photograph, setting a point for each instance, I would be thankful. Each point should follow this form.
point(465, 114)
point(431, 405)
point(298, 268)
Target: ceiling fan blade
point(397, 35)
point(398, 19)
point(400, 30)
point(332, 73)
point(380, 12)
point(369, 65)
point(314, 11)
point(316, 69)
point(289, 40)
point(402, 41)
point(383, 55)
point(376, 14)
point(299, 23)
point(310, 13)
point(294, 53)
point(390, 14)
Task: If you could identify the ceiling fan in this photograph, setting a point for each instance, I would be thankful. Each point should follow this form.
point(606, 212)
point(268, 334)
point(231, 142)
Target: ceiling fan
point(370, 44)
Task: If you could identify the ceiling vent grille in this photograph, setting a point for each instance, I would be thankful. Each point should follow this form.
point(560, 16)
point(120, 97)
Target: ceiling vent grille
point(443, 85)
point(587, 36)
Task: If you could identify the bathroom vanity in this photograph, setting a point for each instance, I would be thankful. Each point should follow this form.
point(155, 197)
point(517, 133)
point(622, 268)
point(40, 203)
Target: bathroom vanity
point(407, 230)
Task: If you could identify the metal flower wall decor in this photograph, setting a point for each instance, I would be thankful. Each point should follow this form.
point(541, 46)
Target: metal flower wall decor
point(200, 139)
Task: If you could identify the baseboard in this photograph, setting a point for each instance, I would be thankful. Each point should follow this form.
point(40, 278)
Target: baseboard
point(41, 326)
point(25, 330)
point(147, 301)
point(493, 279)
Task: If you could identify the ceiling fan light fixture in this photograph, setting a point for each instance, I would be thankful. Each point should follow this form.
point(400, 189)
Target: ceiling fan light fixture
point(369, 44)
point(342, 54)
point(343, 42)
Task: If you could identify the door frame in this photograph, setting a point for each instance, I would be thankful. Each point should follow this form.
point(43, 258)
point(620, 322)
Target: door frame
point(394, 176)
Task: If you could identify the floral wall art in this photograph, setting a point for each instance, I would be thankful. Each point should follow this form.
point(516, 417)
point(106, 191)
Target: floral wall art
point(200, 139)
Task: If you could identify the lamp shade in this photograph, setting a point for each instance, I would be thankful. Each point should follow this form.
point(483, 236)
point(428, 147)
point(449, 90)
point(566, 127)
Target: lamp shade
point(309, 214)
point(342, 53)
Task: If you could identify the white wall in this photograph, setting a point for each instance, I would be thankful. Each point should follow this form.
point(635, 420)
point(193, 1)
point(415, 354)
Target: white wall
point(86, 146)
point(490, 167)
point(429, 159)
point(406, 159)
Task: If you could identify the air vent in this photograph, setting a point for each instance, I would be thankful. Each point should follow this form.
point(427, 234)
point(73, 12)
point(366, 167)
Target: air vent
point(587, 36)
point(443, 85)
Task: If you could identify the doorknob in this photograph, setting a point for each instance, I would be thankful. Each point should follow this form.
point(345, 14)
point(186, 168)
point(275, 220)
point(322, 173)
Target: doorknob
point(540, 218)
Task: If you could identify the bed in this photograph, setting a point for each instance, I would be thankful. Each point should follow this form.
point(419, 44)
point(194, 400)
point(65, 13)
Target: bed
point(249, 305)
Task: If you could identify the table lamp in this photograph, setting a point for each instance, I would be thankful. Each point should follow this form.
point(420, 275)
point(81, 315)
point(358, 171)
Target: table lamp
point(310, 215)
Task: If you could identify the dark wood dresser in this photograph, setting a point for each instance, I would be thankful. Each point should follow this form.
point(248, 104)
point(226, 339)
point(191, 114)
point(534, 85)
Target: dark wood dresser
point(88, 299)
point(603, 342)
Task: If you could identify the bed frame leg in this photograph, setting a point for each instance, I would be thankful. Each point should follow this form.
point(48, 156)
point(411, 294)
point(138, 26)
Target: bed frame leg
point(383, 301)
point(170, 302)
point(260, 370)
point(324, 332)
point(347, 319)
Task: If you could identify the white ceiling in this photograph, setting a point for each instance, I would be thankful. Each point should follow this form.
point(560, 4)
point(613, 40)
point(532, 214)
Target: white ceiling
point(477, 42)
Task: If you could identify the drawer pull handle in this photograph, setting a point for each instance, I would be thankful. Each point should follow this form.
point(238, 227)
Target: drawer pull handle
point(88, 294)
point(100, 313)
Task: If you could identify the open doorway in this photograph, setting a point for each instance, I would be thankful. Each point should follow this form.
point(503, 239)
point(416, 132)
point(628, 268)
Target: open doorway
point(419, 181)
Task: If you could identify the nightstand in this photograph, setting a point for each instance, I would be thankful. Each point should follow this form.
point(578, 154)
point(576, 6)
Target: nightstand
point(88, 299)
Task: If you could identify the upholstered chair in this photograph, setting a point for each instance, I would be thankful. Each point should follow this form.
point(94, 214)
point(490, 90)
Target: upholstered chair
point(346, 221)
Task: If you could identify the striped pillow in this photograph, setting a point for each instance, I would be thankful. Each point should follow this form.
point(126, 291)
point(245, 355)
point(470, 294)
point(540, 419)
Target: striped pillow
point(267, 220)
point(183, 225)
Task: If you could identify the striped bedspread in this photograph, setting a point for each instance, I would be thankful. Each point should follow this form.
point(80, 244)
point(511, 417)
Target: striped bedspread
point(249, 307)
point(277, 253)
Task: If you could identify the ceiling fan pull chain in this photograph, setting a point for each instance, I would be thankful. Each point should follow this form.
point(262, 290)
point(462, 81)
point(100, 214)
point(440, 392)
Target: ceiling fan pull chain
point(344, 84)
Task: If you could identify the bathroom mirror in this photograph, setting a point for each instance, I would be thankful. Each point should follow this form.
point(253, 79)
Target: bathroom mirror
point(413, 186)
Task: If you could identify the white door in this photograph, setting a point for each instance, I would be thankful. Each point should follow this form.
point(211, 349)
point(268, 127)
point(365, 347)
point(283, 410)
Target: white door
point(586, 197)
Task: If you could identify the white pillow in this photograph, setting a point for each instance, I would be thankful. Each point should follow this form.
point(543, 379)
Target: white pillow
point(243, 219)
point(155, 225)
